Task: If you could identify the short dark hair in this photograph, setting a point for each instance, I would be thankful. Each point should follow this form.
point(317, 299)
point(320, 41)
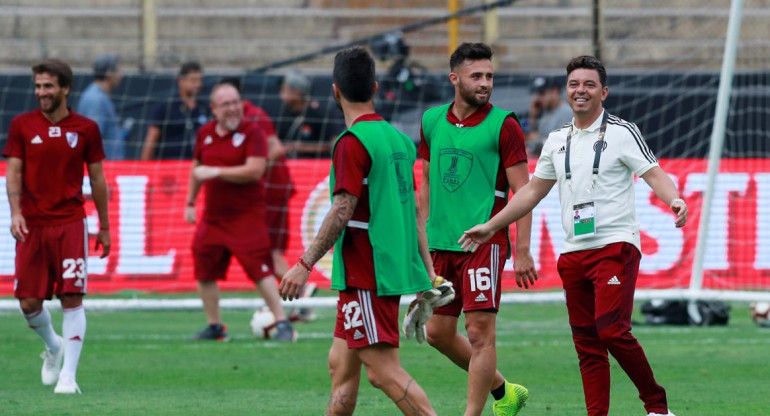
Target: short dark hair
point(354, 74)
point(55, 67)
point(588, 62)
point(470, 52)
point(190, 66)
point(234, 81)
point(104, 64)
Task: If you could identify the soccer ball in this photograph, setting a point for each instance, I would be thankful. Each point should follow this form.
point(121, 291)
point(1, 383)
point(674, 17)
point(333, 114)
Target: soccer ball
point(262, 323)
point(760, 313)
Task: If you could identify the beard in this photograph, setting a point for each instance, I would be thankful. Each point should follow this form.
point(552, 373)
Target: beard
point(232, 124)
point(469, 96)
point(56, 102)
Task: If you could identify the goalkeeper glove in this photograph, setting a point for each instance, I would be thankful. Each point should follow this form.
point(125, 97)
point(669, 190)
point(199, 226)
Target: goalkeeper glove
point(442, 293)
point(417, 316)
point(421, 309)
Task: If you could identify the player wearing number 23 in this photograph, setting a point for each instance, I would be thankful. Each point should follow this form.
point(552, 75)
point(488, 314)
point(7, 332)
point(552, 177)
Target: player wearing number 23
point(593, 160)
point(46, 150)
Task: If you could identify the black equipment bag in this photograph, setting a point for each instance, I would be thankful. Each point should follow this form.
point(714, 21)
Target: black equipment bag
point(679, 312)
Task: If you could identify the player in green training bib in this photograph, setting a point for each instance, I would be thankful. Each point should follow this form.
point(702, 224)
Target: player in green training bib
point(379, 253)
point(473, 153)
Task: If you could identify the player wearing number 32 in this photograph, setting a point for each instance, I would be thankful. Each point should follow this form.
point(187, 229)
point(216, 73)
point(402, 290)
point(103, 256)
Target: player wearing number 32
point(594, 160)
point(379, 254)
point(46, 150)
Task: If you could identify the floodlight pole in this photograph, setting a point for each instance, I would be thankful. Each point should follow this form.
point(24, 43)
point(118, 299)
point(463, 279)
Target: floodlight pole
point(453, 26)
point(717, 143)
point(149, 34)
point(597, 37)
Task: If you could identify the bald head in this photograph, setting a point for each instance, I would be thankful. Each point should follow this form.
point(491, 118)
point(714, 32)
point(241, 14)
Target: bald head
point(227, 106)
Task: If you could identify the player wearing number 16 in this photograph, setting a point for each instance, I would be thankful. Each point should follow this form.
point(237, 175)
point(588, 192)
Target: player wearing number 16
point(594, 160)
point(46, 150)
point(379, 252)
point(473, 153)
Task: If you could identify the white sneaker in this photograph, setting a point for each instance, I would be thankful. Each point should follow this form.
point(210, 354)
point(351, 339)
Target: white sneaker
point(52, 364)
point(67, 385)
point(661, 414)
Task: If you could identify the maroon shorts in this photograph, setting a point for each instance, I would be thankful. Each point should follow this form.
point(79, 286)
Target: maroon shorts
point(365, 319)
point(277, 220)
point(215, 243)
point(52, 260)
point(599, 285)
point(475, 276)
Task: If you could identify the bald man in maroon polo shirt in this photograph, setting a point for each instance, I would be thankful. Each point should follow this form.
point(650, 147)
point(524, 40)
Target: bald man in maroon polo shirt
point(230, 158)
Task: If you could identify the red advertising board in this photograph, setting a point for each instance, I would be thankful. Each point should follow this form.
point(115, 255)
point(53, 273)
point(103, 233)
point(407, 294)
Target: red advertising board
point(151, 240)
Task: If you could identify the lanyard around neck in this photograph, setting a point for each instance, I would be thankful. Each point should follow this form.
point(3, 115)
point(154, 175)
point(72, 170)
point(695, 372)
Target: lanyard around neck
point(597, 147)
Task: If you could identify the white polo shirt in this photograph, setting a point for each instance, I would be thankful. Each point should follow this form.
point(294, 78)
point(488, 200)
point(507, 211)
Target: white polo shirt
point(625, 154)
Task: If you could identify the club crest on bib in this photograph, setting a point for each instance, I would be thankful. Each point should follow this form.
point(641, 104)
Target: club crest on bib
point(401, 167)
point(208, 140)
point(455, 167)
point(238, 139)
point(72, 139)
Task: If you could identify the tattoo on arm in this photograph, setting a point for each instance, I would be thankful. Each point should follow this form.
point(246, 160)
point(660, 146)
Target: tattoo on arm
point(334, 223)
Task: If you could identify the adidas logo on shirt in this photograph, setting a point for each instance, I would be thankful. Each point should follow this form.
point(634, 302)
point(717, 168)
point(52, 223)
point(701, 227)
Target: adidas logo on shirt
point(561, 150)
point(36, 140)
point(481, 298)
point(357, 335)
point(613, 281)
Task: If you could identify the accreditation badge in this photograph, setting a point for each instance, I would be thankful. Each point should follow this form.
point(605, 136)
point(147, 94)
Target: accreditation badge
point(584, 222)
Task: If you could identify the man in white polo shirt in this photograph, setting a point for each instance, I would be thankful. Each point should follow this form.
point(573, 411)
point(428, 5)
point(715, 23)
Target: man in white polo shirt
point(594, 160)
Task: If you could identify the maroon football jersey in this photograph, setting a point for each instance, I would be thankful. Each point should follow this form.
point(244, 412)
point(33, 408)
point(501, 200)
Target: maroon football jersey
point(226, 200)
point(278, 185)
point(53, 156)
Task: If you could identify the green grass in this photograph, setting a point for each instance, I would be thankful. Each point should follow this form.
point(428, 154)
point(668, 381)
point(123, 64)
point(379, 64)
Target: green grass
point(142, 363)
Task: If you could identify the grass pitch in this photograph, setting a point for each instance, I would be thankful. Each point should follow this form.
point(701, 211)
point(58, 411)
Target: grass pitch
point(143, 363)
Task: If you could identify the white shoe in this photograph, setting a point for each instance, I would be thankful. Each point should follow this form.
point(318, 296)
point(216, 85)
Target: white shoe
point(661, 414)
point(52, 364)
point(67, 385)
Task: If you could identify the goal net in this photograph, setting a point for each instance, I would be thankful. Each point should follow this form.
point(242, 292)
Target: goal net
point(663, 59)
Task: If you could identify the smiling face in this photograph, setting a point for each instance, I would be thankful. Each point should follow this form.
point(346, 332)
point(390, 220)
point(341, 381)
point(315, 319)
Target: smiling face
point(49, 94)
point(227, 106)
point(585, 94)
point(473, 81)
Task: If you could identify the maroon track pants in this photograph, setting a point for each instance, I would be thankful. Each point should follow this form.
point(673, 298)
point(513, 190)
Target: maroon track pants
point(599, 285)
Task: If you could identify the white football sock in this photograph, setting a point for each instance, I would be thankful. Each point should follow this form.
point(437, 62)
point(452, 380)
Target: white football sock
point(40, 322)
point(73, 332)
